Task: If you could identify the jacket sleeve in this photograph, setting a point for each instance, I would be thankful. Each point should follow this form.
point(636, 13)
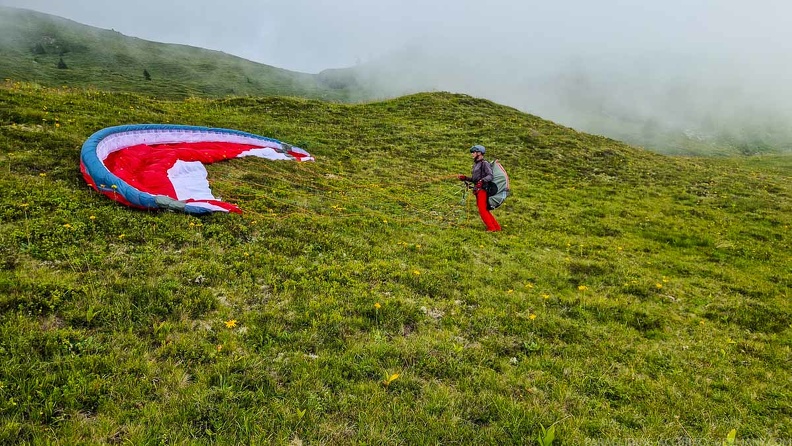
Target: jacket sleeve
point(486, 171)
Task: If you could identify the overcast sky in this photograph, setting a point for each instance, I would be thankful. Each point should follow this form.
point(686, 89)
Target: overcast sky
point(534, 55)
point(311, 35)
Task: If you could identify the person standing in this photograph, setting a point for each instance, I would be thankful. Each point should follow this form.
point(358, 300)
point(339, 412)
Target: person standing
point(480, 177)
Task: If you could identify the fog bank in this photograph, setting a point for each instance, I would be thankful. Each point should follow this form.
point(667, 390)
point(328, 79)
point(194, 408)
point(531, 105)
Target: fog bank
point(664, 100)
point(662, 74)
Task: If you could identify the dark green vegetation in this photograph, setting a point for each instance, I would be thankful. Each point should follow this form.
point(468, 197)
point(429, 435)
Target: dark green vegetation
point(631, 295)
point(53, 51)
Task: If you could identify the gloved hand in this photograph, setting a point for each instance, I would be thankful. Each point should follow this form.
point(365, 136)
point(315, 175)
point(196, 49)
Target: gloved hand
point(462, 177)
point(479, 185)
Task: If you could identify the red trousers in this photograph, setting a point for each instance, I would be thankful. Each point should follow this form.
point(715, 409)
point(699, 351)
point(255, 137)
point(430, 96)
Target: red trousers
point(486, 215)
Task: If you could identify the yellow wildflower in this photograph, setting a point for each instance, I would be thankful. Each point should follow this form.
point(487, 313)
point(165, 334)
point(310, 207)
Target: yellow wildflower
point(417, 273)
point(390, 379)
point(231, 323)
point(377, 305)
point(582, 287)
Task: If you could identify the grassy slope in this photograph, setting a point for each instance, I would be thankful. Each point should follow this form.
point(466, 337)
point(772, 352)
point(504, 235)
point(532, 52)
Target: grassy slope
point(630, 295)
point(32, 44)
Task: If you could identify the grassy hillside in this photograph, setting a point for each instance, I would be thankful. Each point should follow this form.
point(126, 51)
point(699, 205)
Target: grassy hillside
point(358, 299)
point(53, 51)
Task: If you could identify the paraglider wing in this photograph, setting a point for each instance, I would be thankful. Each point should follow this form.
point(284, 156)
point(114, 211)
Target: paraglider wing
point(154, 166)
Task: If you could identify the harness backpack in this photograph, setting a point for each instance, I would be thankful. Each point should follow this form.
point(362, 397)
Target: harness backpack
point(500, 179)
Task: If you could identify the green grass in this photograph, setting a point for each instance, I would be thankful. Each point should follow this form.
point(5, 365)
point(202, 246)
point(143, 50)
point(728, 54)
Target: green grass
point(630, 295)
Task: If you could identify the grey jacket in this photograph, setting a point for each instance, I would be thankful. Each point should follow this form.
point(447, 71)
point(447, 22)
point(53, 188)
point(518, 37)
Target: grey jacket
point(482, 171)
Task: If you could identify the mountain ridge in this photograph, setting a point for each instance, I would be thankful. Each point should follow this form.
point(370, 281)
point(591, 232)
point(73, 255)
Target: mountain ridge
point(34, 44)
point(54, 51)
